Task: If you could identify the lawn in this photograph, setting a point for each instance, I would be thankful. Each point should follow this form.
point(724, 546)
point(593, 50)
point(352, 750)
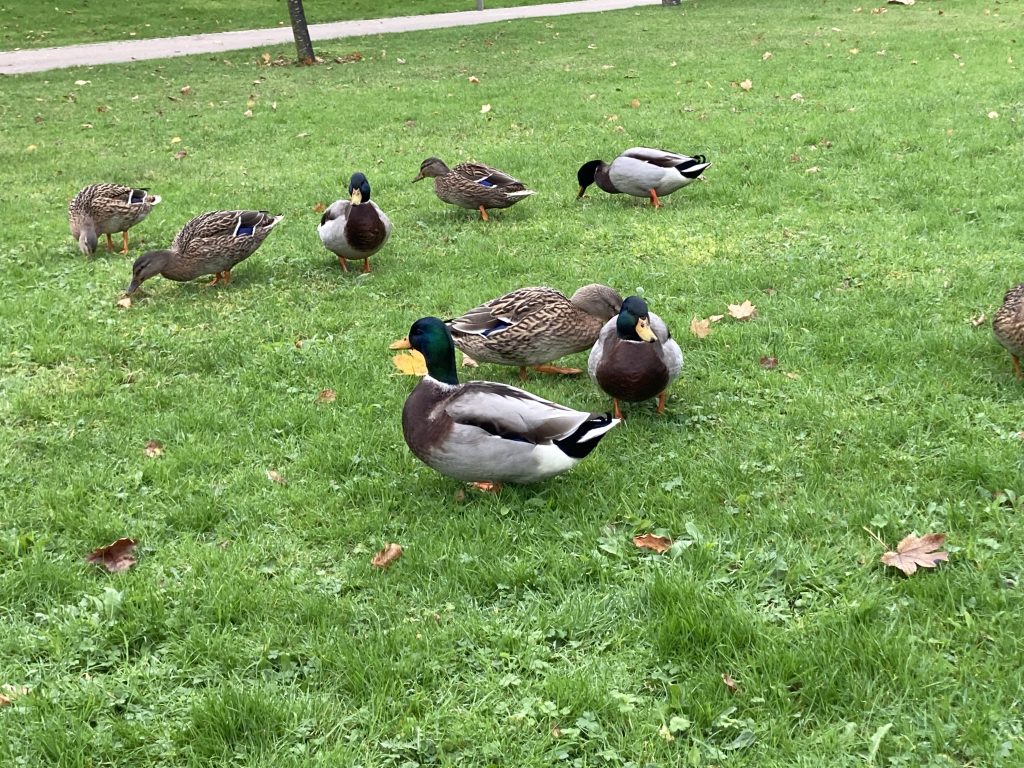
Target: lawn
point(869, 219)
point(36, 25)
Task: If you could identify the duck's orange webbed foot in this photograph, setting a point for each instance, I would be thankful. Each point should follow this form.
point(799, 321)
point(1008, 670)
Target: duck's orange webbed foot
point(488, 487)
point(661, 402)
point(654, 199)
point(343, 263)
point(483, 213)
point(124, 240)
point(547, 368)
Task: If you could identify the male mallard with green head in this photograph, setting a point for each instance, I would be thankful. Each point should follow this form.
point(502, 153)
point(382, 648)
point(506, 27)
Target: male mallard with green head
point(642, 172)
point(1008, 326)
point(535, 326)
point(210, 244)
point(472, 185)
point(488, 433)
point(102, 209)
point(635, 357)
point(356, 228)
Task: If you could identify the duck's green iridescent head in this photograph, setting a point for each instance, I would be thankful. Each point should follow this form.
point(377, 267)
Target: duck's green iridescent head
point(431, 338)
point(359, 188)
point(634, 322)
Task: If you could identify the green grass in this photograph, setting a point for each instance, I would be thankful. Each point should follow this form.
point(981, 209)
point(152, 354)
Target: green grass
point(523, 629)
point(37, 25)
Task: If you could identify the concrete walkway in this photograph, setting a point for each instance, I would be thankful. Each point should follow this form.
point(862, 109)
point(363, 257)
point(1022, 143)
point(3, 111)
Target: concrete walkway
point(42, 59)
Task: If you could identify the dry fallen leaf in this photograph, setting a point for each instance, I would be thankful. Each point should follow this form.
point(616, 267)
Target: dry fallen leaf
point(653, 541)
point(854, 51)
point(978, 321)
point(766, 55)
point(265, 58)
point(12, 692)
point(743, 311)
point(746, 85)
point(181, 153)
point(410, 363)
point(118, 556)
point(916, 551)
point(319, 207)
point(277, 477)
point(700, 328)
point(797, 97)
point(634, 103)
point(729, 682)
point(902, 2)
point(153, 449)
point(326, 396)
point(813, 169)
point(125, 302)
point(769, 363)
point(993, 115)
point(247, 113)
point(474, 79)
point(186, 90)
point(715, 318)
point(485, 108)
point(176, 140)
point(387, 556)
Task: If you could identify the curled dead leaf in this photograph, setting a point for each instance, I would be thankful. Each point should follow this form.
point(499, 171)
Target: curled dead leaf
point(978, 320)
point(277, 477)
point(743, 311)
point(634, 103)
point(700, 328)
point(410, 363)
point(652, 541)
point(993, 115)
point(387, 556)
point(474, 79)
point(769, 363)
point(125, 302)
point(153, 449)
point(485, 108)
point(186, 90)
point(181, 153)
point(715, 318)
point(766, 55)
point(729, 682)
point(914, 551)
point(326, 396)
point(115, 557)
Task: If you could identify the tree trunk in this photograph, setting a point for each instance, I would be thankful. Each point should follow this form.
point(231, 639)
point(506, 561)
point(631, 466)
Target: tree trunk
point(300, 30)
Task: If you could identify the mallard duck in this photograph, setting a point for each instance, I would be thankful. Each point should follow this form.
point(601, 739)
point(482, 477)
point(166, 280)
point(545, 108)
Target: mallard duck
point(1008, 326)
point(472, 185)
point(101, 209)
point(211, 244)
point(642, 172)
point(534, 326)
point(489, 433)
point(356, 228)
point(635, 357)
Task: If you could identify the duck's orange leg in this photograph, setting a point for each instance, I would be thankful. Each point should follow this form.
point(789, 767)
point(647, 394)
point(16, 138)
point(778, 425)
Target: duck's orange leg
point(618, 413)
point(654, 199)
point(221, 277)
point(661, 402)
point(110, 242)
point(483, 213)
point(344, 266)
point(124, 238)
point(1016, 368)
point(366, 264)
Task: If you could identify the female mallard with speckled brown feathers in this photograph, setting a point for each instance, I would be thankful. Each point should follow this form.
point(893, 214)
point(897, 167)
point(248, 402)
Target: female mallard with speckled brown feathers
point(211, 244)
point(356, 228)
point(488, 433)
point(534, 326)
point(472, 185)
point(102, 209)
point(642, 172)
point(635, 357)
point(1008, 326)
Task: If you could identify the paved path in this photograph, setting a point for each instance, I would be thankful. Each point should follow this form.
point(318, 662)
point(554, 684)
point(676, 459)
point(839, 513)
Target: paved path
point(42, 59)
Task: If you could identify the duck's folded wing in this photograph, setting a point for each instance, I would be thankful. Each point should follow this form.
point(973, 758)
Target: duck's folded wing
point(337, 209)
point(659, 157)
point(486, 176)
point(512, 413)
point(505, 311)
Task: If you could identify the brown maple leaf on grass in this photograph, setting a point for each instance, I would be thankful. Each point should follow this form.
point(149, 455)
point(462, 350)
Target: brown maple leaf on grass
point(914, 551)
point(652, 541)
point(387, 556)
point(115, 557)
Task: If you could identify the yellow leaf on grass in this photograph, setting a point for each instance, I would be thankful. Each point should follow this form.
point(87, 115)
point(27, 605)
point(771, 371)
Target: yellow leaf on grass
point(700, 328)
point(410, 363)
point(387, 556)
point(743, 311)
point(746, 85)
point(653, 541)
